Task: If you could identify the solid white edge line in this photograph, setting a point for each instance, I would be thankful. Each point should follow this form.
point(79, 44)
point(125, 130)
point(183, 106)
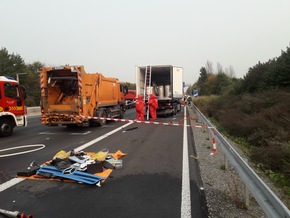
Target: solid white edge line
point(15, 181)
point(185, 192)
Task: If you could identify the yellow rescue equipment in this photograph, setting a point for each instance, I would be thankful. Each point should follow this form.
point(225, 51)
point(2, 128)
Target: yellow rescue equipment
point(62, 155)
point(101, 155)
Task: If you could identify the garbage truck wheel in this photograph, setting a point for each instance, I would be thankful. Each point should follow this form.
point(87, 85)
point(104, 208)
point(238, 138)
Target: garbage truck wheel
point(122, 110)
point(103, 122)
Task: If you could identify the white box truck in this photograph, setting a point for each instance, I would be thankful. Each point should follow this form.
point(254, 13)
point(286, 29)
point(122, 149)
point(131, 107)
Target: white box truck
point(166, 83)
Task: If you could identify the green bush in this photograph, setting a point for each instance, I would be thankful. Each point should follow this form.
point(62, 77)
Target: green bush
point(262, 120)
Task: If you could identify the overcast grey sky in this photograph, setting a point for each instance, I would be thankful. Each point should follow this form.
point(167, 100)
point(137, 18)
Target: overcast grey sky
point(113, 37)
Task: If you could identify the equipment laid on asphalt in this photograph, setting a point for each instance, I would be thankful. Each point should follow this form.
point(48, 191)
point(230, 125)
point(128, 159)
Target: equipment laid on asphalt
point(69, 96)
point(12, 109)
point(84, 167)
point(69, 173)
point(117, 164)
point(31, 170)
point(101, 155)
point(15, 214)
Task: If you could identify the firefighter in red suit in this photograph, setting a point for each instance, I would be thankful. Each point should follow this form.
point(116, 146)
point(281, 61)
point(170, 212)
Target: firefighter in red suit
point(153, 105)
point(140, 108)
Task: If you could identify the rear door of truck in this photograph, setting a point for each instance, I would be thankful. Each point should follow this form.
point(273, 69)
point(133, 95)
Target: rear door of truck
point(140, 80)
point(177, 80)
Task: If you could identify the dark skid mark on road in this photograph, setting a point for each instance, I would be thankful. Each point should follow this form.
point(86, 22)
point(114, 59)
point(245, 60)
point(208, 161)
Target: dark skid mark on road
point(130, 129)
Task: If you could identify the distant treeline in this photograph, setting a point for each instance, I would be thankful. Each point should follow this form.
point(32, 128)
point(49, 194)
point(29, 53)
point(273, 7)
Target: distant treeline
point(273, 74)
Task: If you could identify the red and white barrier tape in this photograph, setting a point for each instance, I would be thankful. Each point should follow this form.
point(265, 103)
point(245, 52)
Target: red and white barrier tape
point(136, 121)
point(146, 122)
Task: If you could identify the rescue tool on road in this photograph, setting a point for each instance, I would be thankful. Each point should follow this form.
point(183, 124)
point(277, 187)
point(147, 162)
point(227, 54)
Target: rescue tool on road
point(15, 214)
point(12, 109)
point(69, 95)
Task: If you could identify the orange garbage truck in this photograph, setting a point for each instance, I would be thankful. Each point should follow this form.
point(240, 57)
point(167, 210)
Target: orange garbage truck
point(12, 109)
point(72, 97)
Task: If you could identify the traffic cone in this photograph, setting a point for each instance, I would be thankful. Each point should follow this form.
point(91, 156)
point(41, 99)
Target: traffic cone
point(214, 146)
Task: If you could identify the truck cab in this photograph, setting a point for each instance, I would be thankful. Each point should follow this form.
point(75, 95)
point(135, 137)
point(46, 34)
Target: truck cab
point(12, 109)
point(130, 98)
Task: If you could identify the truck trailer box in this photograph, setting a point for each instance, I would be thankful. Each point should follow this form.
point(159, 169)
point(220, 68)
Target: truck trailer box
point(166, 83)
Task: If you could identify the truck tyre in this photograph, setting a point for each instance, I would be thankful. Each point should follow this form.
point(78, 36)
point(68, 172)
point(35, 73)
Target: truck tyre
point(71, 126)
point(121, 112)
point(6, 127)
point(104, 115)
point(174, 110)
point(178, 107)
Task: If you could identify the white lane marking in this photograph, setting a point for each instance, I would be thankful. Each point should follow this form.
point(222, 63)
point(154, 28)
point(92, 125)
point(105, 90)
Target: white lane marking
point(46, 133)
point(15, 181)
point(101, 138)
point(10, 183)
point(185, 193)
point(80, 133)
point(39, 146)
point(73, 133)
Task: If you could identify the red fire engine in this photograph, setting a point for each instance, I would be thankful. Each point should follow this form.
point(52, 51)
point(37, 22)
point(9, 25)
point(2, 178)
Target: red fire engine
point(130, 98)
point(12, 109)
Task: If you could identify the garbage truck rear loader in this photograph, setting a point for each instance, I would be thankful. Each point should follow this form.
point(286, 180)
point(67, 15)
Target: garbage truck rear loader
point(166, 82)
point(72, 97)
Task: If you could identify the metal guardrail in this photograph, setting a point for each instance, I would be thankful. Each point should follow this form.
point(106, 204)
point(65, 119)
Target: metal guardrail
point(266, 198)
point(31, 111)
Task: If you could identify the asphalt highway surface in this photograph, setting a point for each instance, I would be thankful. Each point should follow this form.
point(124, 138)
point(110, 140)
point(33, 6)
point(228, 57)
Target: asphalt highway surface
point(151, 183)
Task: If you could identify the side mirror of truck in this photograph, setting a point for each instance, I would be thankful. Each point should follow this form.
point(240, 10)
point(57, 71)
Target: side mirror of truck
point(23, 91)
point(125, 90)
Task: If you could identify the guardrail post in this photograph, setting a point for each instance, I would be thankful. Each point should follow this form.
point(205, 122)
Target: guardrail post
point(226, 162)
point(246, 196)
point(246, 192)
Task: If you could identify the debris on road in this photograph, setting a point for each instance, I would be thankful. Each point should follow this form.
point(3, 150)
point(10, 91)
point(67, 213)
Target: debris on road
point(83, 167)
point(15, 214)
